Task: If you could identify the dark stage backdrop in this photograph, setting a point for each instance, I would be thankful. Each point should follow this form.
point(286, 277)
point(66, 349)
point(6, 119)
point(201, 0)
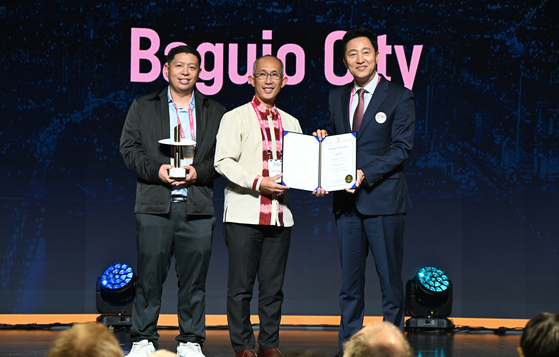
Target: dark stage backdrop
point(483, 173)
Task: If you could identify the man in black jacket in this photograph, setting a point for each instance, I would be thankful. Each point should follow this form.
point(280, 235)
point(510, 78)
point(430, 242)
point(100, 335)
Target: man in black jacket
point(173, 216)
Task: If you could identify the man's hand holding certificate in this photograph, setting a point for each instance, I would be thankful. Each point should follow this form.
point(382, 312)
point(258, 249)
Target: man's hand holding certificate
point(319, 163)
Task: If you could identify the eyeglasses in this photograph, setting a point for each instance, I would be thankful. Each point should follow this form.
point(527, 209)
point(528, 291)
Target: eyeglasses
point(263, 75)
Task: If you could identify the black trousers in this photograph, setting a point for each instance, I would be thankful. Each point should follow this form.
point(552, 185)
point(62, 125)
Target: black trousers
point(255, 252)
point(189, 239)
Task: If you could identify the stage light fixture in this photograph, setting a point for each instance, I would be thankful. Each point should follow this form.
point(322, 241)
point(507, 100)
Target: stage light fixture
point(116, 289)
point(429, 300)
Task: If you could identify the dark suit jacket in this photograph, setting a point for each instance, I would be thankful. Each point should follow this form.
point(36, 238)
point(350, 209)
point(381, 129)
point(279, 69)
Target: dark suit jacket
point(382, 148)
point(147, 122)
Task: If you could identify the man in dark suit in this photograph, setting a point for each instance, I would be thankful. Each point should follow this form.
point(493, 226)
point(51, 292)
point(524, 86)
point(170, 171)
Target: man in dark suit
point(173, 216)
point(372, 216)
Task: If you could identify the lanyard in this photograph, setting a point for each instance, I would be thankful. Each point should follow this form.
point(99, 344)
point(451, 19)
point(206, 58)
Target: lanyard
point(351, 97)
point(261, 122)
point(190, 119)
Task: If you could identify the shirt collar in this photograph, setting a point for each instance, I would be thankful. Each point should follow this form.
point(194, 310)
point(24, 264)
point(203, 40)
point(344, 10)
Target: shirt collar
point(370, 87)
point(192, 100)
point(262, 108)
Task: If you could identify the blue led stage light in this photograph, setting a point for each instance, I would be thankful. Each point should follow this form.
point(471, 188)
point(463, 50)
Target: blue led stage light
point(429, 300)
point(117, 276)
point(433, 278)
point(116, 289)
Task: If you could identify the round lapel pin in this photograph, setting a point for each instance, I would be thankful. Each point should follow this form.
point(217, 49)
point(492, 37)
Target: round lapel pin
point(380, 117)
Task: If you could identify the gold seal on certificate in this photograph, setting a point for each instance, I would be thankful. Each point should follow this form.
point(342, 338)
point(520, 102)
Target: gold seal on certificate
point(348, 178)
point(177, 172)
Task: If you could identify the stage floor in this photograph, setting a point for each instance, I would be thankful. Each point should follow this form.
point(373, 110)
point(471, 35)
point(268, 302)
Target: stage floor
point(24, 343)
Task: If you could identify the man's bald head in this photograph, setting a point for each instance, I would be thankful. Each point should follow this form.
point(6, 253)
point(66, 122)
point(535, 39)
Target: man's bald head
point(378, 339)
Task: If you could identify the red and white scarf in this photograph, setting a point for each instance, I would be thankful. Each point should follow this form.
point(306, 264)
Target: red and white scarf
point(266, 198)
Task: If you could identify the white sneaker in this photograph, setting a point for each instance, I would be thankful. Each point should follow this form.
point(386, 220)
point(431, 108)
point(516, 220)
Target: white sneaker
point(189, 349)
point(141, 349)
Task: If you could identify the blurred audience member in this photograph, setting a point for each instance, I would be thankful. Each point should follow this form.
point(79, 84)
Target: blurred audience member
point(86, 340)
point(163, 353)
point(378, 339)
point(540, 337)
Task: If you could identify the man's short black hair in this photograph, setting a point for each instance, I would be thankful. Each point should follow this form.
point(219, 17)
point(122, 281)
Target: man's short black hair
point(541, 336)
point(183, 49)
point(359, 32)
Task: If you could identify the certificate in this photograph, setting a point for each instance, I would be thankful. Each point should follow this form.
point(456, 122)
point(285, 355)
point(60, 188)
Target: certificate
point(309, 164)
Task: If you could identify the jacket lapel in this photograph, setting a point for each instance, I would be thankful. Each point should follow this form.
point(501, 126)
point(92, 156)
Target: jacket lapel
point(378, 97)
point(161, 129)
point(200, 115)
point(201, 122)
point(165, 121)
point(345, 105)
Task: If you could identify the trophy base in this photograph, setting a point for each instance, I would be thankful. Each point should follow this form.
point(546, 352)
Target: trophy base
point(177, 173)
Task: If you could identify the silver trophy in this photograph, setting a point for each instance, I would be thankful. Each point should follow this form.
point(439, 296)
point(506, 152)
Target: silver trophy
point(179, 145)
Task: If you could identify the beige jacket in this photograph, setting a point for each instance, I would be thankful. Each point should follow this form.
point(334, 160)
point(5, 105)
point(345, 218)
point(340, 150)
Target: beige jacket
point(238, 158)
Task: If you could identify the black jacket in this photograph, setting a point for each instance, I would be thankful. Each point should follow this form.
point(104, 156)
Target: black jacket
point(147, 122)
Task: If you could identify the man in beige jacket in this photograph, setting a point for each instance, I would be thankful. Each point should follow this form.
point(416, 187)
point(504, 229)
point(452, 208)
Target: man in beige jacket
point(257, 219)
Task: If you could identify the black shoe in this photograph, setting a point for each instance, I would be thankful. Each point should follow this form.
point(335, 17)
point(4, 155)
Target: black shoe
point(339, 354)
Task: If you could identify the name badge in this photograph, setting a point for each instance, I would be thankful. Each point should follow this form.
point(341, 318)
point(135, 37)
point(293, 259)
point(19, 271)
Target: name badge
point(274, 168)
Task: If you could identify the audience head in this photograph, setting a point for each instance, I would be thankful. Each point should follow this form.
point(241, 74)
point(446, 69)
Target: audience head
point(163, 353)
point(378, 339)
point(86, 340)
point(540, 337)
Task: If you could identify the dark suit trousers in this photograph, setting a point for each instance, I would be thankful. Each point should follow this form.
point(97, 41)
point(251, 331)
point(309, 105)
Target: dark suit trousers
point(384, 237)
point(189, 239)
point(255, 251)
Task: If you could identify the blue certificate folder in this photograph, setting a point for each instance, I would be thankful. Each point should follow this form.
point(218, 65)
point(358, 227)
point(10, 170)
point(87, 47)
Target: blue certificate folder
point(308, 163)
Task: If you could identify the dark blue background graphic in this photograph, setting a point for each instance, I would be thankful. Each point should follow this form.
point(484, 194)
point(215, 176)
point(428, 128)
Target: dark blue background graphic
point(483, 174)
